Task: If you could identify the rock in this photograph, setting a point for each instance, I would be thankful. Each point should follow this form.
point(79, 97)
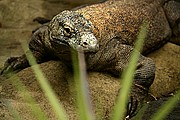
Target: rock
point(167, 77)
point(12, 13)
point(100, 85)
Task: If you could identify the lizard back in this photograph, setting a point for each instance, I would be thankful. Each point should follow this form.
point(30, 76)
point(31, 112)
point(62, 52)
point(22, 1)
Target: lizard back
point(123, 20)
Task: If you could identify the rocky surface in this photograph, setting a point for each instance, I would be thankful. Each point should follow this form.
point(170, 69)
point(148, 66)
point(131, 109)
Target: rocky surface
point(16, 24)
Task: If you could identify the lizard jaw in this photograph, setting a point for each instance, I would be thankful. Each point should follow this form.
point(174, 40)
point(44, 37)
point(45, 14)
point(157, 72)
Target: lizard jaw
point(58, 41)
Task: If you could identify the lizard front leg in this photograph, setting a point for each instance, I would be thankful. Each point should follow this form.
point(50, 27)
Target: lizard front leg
point(113, 58)
point(143, 77)
point(15, 64)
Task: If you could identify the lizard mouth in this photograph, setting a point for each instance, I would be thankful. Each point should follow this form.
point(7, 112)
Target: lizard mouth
point(60, 41)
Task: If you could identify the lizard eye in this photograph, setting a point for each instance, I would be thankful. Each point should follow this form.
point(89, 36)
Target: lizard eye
point(67, 31)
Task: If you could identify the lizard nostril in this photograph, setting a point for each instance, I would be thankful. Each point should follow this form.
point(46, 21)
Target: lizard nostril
point(85, 43)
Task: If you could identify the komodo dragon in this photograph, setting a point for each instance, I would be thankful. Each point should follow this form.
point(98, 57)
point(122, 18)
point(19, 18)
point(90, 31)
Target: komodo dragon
point(106, 32)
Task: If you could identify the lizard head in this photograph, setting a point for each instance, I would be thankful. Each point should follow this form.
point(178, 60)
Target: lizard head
point(72, 29)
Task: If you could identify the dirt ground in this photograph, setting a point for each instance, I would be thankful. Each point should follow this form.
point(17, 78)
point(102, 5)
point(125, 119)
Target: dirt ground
point(16, 25)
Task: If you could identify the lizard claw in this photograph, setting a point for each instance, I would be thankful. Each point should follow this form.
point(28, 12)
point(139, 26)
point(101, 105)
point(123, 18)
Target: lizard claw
point(139, 93)
point(131, 108)
point(12, 64)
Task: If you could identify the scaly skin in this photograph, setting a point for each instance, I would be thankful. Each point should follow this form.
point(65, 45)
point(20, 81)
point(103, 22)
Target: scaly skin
point(106, 32)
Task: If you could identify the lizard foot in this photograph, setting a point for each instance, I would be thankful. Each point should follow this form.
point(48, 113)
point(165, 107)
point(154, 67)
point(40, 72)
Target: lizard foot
point(13, 64)
point(131, 108)
point(138, 95)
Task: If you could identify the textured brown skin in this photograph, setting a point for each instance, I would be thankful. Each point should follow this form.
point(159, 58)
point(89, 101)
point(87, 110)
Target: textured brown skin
point(116, 25)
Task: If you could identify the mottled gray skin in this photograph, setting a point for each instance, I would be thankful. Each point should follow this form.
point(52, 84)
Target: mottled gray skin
point(106, 32)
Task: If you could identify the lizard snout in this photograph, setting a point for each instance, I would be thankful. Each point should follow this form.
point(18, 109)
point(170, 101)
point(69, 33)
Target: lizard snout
point(89, 43)
point(86, 41)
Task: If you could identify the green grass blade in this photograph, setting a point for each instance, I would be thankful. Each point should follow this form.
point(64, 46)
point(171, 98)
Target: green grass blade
point(35, 109)
point(141, 112)
point(53, 100)
point(127, 76)
point(13, 111)
point(80, 76)
point(167, 107)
